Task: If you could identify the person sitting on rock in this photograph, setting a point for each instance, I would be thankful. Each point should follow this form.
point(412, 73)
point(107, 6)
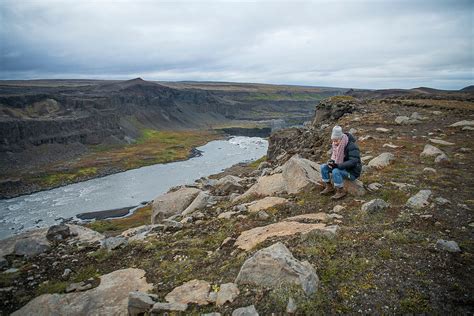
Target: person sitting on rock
point(345, 163)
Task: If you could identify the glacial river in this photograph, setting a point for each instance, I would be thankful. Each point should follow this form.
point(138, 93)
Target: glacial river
point(123, 189)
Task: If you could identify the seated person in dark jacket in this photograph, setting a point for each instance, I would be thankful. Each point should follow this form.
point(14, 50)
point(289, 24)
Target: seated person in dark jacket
point(344, 163)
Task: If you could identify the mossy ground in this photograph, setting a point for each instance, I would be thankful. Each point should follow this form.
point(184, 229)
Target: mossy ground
point(380, 263)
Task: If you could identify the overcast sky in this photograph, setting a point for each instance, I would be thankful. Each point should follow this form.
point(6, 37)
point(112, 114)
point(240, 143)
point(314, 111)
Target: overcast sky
point(362, 44)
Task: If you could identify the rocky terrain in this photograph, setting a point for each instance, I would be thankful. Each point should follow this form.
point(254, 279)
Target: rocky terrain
point(47, 125)
point(260, 239)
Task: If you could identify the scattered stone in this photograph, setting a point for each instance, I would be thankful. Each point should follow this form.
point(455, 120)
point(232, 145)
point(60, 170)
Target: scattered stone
point(245, 311)
point(226, 215)
point(467, 128)
point(419, 200)
point(390, 145)
point(131, 232)
point(112, 243)
point(442, 201)
point(383, 130)
point(171, 224)
point(291, 307)
point(66, 274)
point(11, 270)
point(374, 186)
point(274, 265)
point(263, 215)
point(172, 307)
point(140, 303)
point(447, 245)
point(441, 142)
point(381, 160)
point(405, 120)
point(172, 203)
point(366, 137)
point(227, 293)
point(229, 184)
point(250, 238)
point(58, 232)
point(417, 116)
point(427, 169)
point(402, 186)
point(462, 123)
point(264, 165)
point(312, 217)
point(338, 208)
point(441, 158)
point(265, 203)
point(194, 291)
point(431, 151)
point(374, 206)
point(465, 150)
point(240, 208)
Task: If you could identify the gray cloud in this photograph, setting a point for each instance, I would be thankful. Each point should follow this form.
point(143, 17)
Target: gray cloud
point(372, 44)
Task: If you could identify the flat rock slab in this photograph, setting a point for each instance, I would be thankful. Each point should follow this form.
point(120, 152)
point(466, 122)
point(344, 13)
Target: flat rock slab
point(441, 142)
point(275, 265)
point(265, 203)
point(265, 186)
point(312, 217)
point(250, 238)
point(109, 298)
point(462, 123)
point(84, 235)
point(194, 291)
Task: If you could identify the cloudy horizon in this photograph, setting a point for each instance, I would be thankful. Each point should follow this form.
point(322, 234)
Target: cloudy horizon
point(354, 44)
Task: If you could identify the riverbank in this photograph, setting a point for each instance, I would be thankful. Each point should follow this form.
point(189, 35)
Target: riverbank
point(153, 147)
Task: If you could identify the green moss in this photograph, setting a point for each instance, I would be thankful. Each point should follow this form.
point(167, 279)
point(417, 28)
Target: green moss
point(338, 98)
point(257, 162)
point(414, 302)
point(52, 287)
point(85, 274)
point(101, 255)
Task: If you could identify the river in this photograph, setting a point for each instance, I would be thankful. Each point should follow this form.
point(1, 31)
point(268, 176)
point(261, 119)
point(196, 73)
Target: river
point(123, 189)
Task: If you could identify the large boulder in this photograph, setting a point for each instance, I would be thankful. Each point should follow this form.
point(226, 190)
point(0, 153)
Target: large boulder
point(109, 298)
point(58, 232)
point(172, 203)
point(274, 266)
point(250, 238)
point(84, 235)
point(265, 186)
point(299, 174)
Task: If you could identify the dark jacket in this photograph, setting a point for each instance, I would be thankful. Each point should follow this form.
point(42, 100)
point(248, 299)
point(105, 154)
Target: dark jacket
point(352, 162)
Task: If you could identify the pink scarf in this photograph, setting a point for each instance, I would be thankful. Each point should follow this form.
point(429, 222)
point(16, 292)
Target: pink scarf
point(338, 151)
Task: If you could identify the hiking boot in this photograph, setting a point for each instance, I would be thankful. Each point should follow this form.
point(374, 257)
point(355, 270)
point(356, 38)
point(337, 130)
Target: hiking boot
point(328, 188)
point(340, 193)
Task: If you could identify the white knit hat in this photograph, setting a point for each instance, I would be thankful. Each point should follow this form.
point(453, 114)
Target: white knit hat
point(336, 132)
